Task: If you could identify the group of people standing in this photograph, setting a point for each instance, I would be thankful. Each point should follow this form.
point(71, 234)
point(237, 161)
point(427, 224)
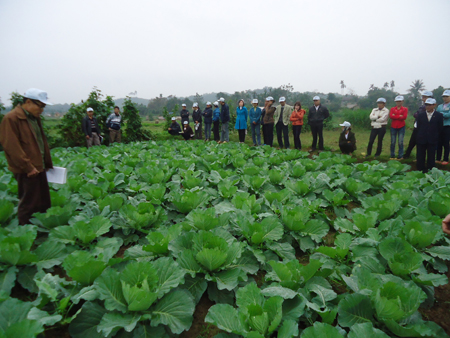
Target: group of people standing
point(91, 129)
point(265, 118)
point(431, 133)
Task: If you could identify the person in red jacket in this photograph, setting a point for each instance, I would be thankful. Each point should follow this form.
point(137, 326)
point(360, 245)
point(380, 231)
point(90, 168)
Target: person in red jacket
point(398, 115)
point(297, 123)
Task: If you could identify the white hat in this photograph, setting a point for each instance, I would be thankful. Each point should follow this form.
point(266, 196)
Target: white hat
point(173, 118)
point(381, 99)
point(195, 105)
point(208, 103)
point(346, 124)
point(89, 109)
point(216, 104)
point(38, 95)
point(399, 98)
point(430, 101)
point(316, 98)
point(185, 122)
point(183, 105)
point(269, 98)
point(427, 93)
point(221, 99)
point(446, 93)
point(255, 101)
point(282, 99)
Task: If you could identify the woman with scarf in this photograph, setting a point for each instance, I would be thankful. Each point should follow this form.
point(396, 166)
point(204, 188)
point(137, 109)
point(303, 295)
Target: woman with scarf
point(347, 139)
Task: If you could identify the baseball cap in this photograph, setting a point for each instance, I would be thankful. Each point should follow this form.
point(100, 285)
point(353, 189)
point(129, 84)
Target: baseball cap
point(381, 99)
point(269, 98)
point(255, 101)
point(282, 99)
point(346, 124)
point(427, 93)
point(221, 99)
point(446, 93)
point(195, 104)
point(173, 118)
point(185, 122)
point(89, 109)
point(316, 98)
point(208, 103)
point(430, 101)
point(216, 103)
point(183, 105)
point(399, 98)
point(38, 95)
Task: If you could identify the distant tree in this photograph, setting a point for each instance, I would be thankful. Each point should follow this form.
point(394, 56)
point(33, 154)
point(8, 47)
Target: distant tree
point(198, 98)
point(386, 85)
point(16, 99)
point(343, 86)
point(416, 88)
point(331, 97)
point(372, 87)
point(437, 93)
point(133, 123)
point(392, 85)
point(168, 116)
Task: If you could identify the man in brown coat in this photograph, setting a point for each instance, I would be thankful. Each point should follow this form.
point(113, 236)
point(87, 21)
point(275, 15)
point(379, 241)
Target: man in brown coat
point(27, 153)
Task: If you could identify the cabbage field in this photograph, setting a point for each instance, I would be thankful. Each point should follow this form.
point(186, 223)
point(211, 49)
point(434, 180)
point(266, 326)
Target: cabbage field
point(278, 243)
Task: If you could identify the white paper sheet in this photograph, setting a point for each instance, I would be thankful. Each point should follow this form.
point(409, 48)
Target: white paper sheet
point(57, 175)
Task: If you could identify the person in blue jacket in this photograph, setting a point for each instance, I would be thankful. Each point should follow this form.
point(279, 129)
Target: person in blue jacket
point(255, 122)
point(444, 137)
point(225, 119)
point(241, 120)
point(208, 118)
point(216, 122)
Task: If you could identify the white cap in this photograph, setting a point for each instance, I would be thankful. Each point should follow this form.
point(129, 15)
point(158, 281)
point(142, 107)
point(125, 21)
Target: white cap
point(183, 105)
point(221, 99)
point(427, 93)
point(185, 122)
point(38, 95)
point(399, 98)
point(316, 98)
point(195, 105)
point(430, 101)
point(269, 98)
point(173, 118)
point(208, 103)
point(89, 109)
point(345, 124)
point(446, 93)
point(216, 104)
point(381, 99)
point(255, 101)
point(282, 99)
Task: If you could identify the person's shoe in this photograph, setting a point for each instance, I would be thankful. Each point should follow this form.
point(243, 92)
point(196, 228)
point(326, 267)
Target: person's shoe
point(254, 144)
point(439, 162)
point(392, 158)
point(399, 158)
point(224, 142)
point(444, 163)
point(311, 150)
point(219, 142)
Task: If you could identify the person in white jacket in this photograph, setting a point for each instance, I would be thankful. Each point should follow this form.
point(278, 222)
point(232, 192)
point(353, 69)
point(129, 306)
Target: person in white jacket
point(379, 119)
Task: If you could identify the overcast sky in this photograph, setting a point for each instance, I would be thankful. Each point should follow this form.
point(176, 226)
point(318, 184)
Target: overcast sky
point(182, 47)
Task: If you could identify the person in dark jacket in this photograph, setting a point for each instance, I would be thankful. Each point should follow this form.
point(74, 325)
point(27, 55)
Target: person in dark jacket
point(255, 122)
point(413, 140)
point(347, 139)
point(429, 126)
point(216, 122)
point(184, 113)
point(197, 117)
point(208, 118)
point(187, 133)
point(174, 128)
point(28, 154)
point(225, 119)
point(269, 111)
point(317, 114)
point(91, 129)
